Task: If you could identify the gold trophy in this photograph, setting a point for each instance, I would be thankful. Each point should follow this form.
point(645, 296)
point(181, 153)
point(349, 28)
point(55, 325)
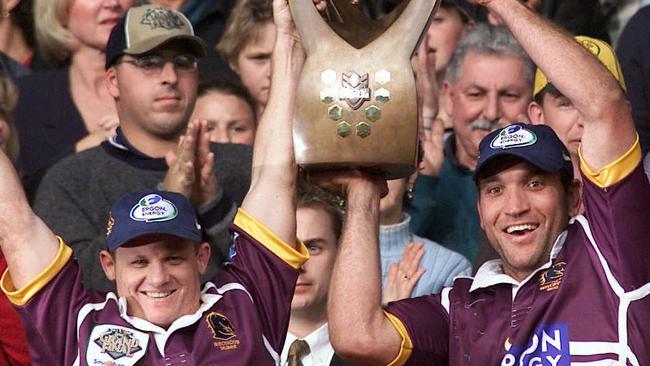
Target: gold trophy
point(356, 106)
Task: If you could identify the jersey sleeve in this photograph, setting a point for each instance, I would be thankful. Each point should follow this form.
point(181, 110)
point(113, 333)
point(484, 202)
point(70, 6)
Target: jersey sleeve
point(49, 305)
point(423, 324)
point(268, 268)
point(617, 205)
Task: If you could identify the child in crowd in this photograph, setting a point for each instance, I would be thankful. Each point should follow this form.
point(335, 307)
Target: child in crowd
point(247, 45)
point(229, 109)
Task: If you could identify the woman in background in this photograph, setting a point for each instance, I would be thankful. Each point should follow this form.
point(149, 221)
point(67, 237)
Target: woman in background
point(68, 109)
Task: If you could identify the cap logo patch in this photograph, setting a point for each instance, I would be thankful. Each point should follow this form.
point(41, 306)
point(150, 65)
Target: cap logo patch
point(153, 208)
point(162, 18)
point(513, 136)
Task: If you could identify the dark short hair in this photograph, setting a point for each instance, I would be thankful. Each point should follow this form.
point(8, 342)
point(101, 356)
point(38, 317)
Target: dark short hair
point(228, 87)
point(312, 196)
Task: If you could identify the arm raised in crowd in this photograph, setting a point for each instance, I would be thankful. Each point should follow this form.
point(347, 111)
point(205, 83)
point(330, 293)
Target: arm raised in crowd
point(29, 246)
point(355, 289)
point(271, 198)
point(608, 127)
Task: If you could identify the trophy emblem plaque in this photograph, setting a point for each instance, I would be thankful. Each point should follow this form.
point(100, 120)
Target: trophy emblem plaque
point(356, 104)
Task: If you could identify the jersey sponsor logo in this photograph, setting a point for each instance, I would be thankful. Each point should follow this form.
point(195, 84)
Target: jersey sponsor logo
point(223, 331)
point(552, 278)
point(549, 346)
point(162, 18)
point(153, 208)
point(113, 344)
point(513, 136)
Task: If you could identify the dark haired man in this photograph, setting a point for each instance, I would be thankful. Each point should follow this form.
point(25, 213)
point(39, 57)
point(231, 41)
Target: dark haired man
point(568, 288)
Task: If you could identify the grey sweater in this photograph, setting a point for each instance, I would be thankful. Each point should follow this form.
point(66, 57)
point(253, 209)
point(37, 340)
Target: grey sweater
point(77, 193)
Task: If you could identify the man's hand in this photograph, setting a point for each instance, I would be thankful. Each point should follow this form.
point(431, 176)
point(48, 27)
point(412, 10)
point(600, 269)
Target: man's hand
point(191, 166)
point(404, 275)
point(346, 182)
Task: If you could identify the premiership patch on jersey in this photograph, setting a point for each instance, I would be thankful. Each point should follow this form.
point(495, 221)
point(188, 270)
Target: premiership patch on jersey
point(513, 136)
point(551, 279)
point(113, 344)
point(223, 332)
point(153, 208)
point(549, 346)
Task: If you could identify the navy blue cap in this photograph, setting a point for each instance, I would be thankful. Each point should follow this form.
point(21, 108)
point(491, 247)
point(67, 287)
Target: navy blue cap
point(151, 213)
point(536, 144)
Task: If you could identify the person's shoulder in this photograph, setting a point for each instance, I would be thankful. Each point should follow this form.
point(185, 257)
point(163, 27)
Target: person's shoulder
point(38, 81)
point(435, 250)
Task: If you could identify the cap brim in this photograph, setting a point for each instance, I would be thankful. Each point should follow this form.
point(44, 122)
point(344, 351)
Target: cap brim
point(196, 43)
point(181, 234)
point(540, 162)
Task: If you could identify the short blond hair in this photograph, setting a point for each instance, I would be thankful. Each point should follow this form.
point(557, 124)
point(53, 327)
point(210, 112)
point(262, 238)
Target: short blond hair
point(8, 99)
point(53, 38)
point(242, 25)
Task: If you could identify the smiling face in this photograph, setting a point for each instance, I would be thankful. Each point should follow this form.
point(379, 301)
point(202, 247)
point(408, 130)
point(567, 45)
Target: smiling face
point(315, 229)
point(90, 21)
point(158, 276)
point(491, 88)
point(522, 211)
point(253, 63)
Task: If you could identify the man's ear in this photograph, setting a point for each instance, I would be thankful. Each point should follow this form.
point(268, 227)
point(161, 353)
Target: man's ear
point(478, 210)
point(448, 91)
point(574, 197)
point(108, 264)
point(203, 256)
point(535, 113)
point(111, 82)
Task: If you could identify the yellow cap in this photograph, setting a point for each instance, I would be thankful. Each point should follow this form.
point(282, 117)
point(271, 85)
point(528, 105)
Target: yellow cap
point(600, 49)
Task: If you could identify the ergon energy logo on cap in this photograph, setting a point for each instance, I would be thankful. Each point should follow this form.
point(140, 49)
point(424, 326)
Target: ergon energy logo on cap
point(512, 137)
point(153, 208)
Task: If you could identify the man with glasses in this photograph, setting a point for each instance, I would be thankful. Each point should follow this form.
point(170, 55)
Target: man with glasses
point(151, 71)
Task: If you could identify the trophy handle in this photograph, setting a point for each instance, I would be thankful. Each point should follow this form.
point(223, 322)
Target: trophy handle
point(410, 27)
point(312, 26)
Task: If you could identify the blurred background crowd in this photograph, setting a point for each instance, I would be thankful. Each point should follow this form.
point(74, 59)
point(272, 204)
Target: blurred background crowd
point(472, 77)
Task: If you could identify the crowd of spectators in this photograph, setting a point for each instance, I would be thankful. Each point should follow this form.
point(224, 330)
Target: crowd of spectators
point(87, 118)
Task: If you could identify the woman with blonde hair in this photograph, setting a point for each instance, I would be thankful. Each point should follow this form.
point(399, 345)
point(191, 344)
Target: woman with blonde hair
point(68, 109)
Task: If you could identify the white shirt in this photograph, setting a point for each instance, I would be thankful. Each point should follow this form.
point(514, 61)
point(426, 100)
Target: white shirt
point(321, 351)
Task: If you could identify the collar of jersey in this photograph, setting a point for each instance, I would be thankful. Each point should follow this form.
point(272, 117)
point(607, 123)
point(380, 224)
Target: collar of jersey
point(491, 272)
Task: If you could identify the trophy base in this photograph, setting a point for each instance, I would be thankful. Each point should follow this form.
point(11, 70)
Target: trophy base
point(387, 171)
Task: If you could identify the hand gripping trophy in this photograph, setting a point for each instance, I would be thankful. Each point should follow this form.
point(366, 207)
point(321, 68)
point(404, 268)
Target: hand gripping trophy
point(356, 106)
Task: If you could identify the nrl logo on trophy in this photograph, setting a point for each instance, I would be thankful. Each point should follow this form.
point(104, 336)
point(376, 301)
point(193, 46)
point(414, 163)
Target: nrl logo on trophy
point(356, 105)
point(354, 89)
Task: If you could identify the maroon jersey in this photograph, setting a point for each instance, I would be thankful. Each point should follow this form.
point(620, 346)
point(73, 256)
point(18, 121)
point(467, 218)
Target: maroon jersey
point(242, 320)
point(588, 305)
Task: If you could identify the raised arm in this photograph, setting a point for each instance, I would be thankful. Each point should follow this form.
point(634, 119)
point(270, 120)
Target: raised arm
point(359, 329)
point(29, 246)
point(271, 198)
point(608, 127)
